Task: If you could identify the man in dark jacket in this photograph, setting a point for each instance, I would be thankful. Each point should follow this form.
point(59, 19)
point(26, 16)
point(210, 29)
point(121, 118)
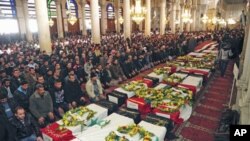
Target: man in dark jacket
point(73, 93)
point(25, 127)
point(22, 95)
point(7, 106)
point(57, 95)
point(6, 130)
point(15, 80)
point(41, 106)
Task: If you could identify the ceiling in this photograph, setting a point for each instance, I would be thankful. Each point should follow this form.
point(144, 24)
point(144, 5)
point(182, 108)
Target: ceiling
point(235, 1)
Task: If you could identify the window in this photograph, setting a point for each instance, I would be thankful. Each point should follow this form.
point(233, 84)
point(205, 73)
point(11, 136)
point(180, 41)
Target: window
point(88, 15)
point(110, 11)
point(73, 7)
point(7, 9)
point(8, 21)
point(52, 9)
point(31, 9)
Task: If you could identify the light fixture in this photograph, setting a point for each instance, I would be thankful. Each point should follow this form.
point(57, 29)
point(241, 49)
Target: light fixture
point(51, 22)
point(121, 20)
point(204, 19)
point(138, 12)
point(231, 21)
point(186, 17)
point(72, 19)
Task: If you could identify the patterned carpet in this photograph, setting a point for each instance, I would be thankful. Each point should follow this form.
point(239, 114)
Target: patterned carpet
point(208, 108)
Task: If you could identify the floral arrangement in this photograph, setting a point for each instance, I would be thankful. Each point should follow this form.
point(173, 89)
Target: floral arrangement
point(164, 70)
point(75, 117)
point(175, 64)
point(174, 99)
point(173, 79)
point(131, 130)
point(133, 86)
point(185, 58)
point(150, 94)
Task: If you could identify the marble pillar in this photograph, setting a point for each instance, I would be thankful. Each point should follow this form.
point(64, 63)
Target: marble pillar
point(127, 19)
point(95, 23)
point(194, 16)
point(103, 17)
point(43, 25)
point(65, 18)
point(21, 18)
point(84, 30)
point(59, 19)
point(181, 21)
point(148, 18)
point(117, 16)
point(163, 17)
point(173, 17)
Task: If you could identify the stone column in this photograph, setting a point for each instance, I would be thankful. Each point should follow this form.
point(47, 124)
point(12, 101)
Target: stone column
point(59, 19)
point(65, 18)
point(194, 16)
point(84, 30)
point(117, 16)
point(148, 18)
point(127, 19)
point(198, 18)
point(80, 15)
point(103, 17)
point(181, 12)
point(21, 18)
point(173, 17)
point(43, 25)
point(95, 23)
point(163, 17)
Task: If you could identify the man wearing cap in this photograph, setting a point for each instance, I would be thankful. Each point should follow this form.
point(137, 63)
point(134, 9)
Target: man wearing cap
point(22, 95)
point(41, 106)
point(94, 88)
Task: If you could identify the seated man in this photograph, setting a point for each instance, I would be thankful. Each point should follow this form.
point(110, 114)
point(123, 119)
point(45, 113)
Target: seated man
point(41, 106)
point(105, 76)
point(25, 127)
point(94, 88)
point(73, 93)
point(57, 95)
point(22, 95)
point(7, 106)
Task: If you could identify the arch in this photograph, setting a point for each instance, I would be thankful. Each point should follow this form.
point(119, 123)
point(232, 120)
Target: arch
point(51, 8)
point(8, 8)
point(110, 11)
point(73, 7)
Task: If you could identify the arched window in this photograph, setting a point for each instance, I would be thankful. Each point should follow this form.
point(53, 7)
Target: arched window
point(32, 16)
point(52, 8)
point(110, 11)
point(72, 6)
point(7, 9)
point(8, 21)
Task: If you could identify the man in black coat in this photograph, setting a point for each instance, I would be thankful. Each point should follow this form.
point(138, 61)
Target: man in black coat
point(7, 106)
point(25, 127)
point(15, 80)
point(22, 95)
point(58, 98)
point(6, 130)
point(73, 93)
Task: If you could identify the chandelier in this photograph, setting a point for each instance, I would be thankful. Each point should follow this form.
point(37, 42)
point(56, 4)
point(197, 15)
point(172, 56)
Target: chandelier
point(138, 12)
point(231, 21)
point(72, 19)
point(205, 19)
point(186, 17)
point(51, 22)
point(121, 20)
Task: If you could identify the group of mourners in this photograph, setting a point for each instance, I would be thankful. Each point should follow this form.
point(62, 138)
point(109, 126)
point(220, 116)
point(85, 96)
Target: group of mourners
point(37, 88)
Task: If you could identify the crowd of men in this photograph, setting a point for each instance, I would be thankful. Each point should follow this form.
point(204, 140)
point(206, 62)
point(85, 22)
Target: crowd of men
point(37, 88)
